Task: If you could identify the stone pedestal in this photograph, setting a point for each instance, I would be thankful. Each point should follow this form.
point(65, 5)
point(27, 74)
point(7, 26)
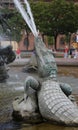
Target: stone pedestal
point(3, 74)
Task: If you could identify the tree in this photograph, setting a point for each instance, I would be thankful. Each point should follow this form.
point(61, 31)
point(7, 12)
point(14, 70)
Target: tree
point(63, 18)
point(12, 20)
point(51, 18)
point(56, 17)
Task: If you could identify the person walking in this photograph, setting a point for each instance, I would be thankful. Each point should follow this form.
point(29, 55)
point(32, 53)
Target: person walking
point(66, 51)
point(71, 51)
point(18, 52)
point(76, 54)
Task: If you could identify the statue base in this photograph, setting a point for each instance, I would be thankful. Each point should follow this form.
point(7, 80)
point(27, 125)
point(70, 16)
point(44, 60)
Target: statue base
point(32, 118)
point(26, 111)
point(3, 74)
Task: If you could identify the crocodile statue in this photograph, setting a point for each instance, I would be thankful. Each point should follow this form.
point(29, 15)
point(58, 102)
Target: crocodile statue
point(45, 96)
point(52, 96)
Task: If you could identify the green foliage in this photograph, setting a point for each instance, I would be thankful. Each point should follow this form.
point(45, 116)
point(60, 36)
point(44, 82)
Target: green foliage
point(41, 15)
point(50, 40)
point(63, 17)
point(51, 18)
point(55, 17)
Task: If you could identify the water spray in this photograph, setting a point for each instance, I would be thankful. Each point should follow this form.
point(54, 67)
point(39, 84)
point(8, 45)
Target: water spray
point(27, 16)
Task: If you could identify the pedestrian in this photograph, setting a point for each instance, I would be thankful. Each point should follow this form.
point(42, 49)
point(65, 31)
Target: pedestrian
point(76, 54)
point(18, 54)
point(66, 51)
point(26, 41)
point(71, 51)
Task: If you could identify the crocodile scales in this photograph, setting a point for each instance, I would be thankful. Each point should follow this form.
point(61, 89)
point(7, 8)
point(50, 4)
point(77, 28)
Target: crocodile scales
point(53, 103)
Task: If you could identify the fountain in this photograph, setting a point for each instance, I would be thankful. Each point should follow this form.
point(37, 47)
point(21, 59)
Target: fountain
point(6, 56)
point(45, 98)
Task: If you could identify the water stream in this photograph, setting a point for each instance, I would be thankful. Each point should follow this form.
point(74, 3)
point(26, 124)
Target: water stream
point(27, 15)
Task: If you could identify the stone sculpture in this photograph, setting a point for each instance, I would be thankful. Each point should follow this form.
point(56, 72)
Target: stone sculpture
point(7, 56)
point(47, 97)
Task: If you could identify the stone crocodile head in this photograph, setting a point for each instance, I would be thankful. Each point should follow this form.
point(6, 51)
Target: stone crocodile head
point(45, 60)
